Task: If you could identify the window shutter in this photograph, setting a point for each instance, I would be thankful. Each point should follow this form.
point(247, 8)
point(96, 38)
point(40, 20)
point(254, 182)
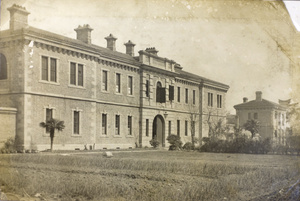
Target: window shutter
point(162, 95)
point(171, 93)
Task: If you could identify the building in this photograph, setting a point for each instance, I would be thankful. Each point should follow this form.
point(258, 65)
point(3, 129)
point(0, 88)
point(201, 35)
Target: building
point(107, 99)
point(271, 117)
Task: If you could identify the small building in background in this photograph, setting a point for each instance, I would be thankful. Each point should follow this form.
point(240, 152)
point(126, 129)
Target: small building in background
point(272, 117)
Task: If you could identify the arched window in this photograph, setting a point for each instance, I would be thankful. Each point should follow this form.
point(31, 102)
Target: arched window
point(160, 93)
point(158, 87)
point(3, 67)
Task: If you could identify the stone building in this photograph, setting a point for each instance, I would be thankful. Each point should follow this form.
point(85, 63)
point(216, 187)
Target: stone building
point(271, 117)
point(107, 99)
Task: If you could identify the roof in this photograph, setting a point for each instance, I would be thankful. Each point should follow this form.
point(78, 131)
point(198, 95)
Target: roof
point(197, 78)
point(49, 37)
point(263, 104)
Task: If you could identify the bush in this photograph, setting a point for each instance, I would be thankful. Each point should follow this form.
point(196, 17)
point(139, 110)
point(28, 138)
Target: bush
point(154, 143)
point(175, 142)
point(9, 146)
point(188, 146)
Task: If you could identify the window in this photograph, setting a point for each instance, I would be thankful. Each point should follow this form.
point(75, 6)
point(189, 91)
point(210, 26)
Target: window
point(129, 125)
point(255, 116)
point(160, 93)
point(178, 94)
point(130, 85)
point(49, 115)
point(210, 99)
point(194, 97)
point(76, 122)
point(186, 95)
point(147, 127)
point(147, 88)
point(178, 127)
point(219, 101)
point(249, 115)
point(118, 83)
point(49, 74)
point(3, 67)
point(104, 80)
point(104, 124)
point(186, 128)
point(171, 93)
point(117, 125)
point(170, 128)
point(76, 74)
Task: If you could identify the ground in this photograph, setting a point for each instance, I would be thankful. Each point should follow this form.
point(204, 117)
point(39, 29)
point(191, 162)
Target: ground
point(148, 175)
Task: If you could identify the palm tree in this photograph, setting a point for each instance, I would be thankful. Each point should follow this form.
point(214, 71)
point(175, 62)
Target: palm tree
point(252, 126)
point(51, 125)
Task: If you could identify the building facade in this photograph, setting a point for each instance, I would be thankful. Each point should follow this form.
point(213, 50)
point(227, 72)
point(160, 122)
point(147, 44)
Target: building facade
point(107, 99)
point(272, 117)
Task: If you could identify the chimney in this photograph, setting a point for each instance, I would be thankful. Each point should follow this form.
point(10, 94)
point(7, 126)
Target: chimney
point(152, 50)
point(84, 33)
point(130, 48)
point(245, 100)
point(111, 42)
point(18, 17)
point(258, 96)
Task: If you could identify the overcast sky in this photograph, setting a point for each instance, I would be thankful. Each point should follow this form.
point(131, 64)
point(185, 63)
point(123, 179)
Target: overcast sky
point(236, 53)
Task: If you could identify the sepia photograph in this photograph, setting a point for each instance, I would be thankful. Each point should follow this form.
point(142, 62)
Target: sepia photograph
point(148, 100)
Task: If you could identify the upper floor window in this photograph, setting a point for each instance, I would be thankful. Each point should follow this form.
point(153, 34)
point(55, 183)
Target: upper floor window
point(130, 85)
point(194, 97)
point(171, 93)
point(178, 94)
point(3, 67)
point(147, 88)
point(104, 80)
point(210, 99)
point(219, 101)
point(160, 93)
point(186, 95)
point(118, 83)
point(49, 73)
point(76, 74)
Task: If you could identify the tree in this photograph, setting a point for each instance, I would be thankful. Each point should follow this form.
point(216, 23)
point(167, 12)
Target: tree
point(252, 126)
point(51, 125)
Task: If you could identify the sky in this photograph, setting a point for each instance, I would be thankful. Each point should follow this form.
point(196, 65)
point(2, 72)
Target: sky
point(230, 50)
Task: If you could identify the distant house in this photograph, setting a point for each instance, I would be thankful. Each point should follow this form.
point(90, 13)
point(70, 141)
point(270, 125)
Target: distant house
point(272, 117)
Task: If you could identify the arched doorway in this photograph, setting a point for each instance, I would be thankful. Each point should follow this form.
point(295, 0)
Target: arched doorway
point(158, 131)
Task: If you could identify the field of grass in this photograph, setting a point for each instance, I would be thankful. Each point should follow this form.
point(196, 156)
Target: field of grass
point(146, 175)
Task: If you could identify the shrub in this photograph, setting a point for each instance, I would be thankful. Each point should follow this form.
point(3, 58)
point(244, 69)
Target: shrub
point(154, 143)
point(9, 146)
point(175, 142)
point(188, 146)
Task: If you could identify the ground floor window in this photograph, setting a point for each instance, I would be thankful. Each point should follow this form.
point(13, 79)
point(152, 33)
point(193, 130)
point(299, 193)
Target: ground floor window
point(129, 125)
point(104, 124)
point(76, 122)
point(147, 127)
point(117, 125)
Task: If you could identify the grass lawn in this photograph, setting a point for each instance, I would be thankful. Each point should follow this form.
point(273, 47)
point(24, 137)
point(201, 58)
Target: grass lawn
point(146, 175)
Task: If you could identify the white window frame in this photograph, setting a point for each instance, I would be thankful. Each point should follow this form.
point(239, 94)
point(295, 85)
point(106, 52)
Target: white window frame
point(107, 80)
point(49, 69)
point(45, 113)
point(132, 87)
point(76, 77)
point(80, 123)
